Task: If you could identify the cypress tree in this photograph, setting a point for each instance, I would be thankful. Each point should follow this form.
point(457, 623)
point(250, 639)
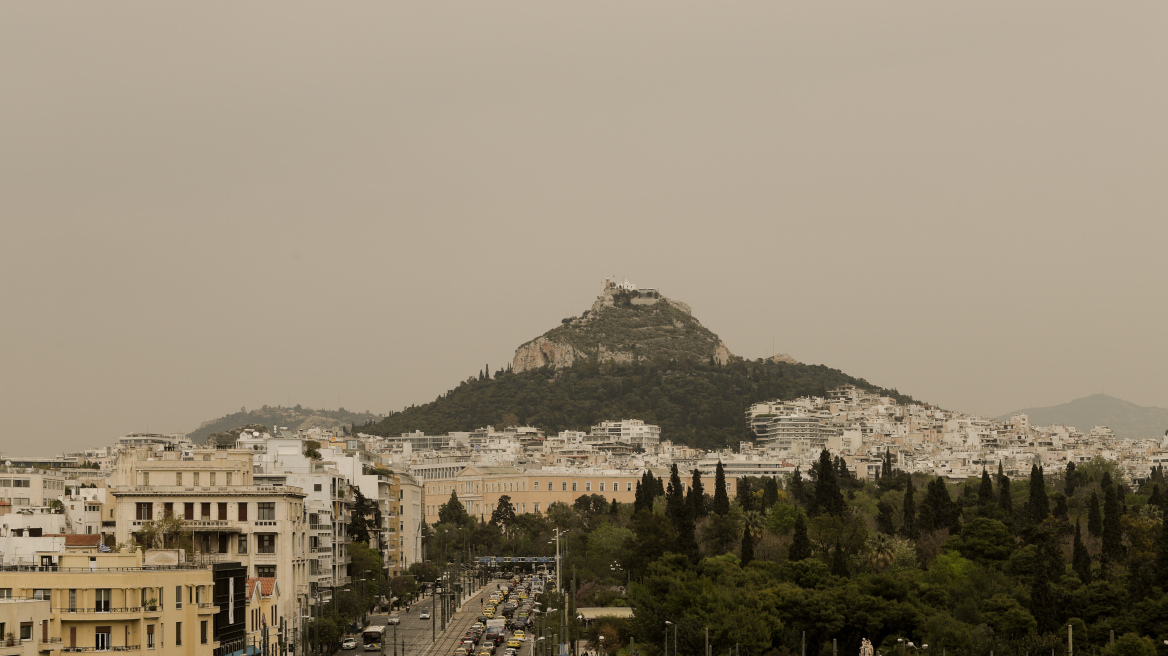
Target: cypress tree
point(800, 543)
point(884, 518)
point(770, 493)
point(1060, 507)
point(909, 510)
point(1043, 604)
point(721, 499)
point(675, 498)
point(1071, 480)
point(985, 493)
point(1155, 499)
point(1038, 504)
point(886, 465)
point(639, 498)
point(746, 553)
point(1005, 501)
point(839, 562)
point(828, 497)
point(1161, 567)
point(745, 494)
point(1094, 517)
point(1112, 530)
point(614, 509)
point(795, 486)
point(1080, 559)
point(696, 497)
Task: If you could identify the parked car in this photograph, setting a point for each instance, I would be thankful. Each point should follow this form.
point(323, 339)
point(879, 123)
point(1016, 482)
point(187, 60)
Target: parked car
point(349, 643)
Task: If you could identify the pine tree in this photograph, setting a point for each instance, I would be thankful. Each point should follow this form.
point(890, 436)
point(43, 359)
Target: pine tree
point(747, 550)
point(985, 493)
point(770, 493)
point(800, 543)
point(1094, 517)
point(1112, 529)
point(909, 510)
point(721, 499)
point(1005, 502)
point(1080, 559)
point(828, 497)
point(614, 509)
point(1038, 504)
point(696, 498)
point(1060, 507)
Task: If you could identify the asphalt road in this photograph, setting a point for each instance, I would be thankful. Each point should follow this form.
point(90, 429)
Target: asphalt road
point(418, 634)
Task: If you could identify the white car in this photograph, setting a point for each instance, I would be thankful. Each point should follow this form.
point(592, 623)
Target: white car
point(425, 615)
point(394, 619)
point(349, 643)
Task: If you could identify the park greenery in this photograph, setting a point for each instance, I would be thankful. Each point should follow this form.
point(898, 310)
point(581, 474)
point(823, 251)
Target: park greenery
point(979, 566)
point(697, 403)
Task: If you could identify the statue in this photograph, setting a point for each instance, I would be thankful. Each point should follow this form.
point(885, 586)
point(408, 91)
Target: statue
point(866, 648)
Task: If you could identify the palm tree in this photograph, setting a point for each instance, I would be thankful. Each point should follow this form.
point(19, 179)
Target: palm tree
point(881, 551)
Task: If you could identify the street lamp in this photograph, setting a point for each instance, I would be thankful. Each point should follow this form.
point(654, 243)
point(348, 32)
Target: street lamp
point(667, 625)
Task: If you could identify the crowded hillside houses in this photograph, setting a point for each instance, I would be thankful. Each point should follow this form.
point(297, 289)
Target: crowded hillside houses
point(266, 521)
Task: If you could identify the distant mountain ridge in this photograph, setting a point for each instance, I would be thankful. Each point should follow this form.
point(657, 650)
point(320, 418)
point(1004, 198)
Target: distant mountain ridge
point(293, 418)
point(1124, 418)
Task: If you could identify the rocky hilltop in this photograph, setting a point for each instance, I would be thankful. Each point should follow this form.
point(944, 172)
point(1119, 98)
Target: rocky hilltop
point(624, 325)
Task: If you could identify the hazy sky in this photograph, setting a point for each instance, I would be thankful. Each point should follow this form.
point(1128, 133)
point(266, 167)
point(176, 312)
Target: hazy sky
point(212, 205)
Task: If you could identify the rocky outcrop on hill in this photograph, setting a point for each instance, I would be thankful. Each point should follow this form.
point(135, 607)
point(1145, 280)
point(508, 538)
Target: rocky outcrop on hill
point(624, 327)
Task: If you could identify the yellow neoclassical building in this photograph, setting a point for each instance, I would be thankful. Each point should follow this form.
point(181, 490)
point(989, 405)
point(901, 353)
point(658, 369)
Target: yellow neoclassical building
point(113, 602)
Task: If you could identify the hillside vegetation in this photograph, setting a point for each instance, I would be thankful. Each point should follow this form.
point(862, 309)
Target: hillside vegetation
point(695, 403)
point(268, 416)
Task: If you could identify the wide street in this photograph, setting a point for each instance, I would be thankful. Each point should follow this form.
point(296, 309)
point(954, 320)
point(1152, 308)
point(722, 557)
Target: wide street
point(418, 634)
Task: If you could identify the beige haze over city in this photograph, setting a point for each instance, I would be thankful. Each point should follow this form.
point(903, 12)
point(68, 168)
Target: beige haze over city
point(212, 205)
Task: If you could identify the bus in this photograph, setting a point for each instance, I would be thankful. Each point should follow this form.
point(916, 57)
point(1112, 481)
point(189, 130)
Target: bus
point(374, 637)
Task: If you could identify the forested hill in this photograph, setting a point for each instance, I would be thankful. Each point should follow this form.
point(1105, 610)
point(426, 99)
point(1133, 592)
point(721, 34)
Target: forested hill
point(290, 417)
point(701, 405)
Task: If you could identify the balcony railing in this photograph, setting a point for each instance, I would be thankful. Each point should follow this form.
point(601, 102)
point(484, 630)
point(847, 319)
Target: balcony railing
point(128, 609)
point(121, 648)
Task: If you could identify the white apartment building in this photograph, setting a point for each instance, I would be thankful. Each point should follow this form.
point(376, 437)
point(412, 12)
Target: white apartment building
point(633, 431)
point(26, 487)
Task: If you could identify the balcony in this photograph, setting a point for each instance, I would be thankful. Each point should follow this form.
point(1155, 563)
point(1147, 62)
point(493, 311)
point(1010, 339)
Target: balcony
point(89, 614)
point(208, 609)
point(121, 648)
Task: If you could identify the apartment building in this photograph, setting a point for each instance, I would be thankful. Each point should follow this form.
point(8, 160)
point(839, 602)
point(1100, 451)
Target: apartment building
point(114, 602)
point(225, 515)
point(26, 487)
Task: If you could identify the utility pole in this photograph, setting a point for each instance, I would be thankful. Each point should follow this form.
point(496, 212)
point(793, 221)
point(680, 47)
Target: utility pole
point(707, 641)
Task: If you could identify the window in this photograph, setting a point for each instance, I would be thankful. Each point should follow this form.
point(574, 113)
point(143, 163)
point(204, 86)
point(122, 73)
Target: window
point(536, 488)
point(178, 633)
point(629, 486)
point(316, 487)
point(573, 486)
point(242, 545)
point(588, 486)
point(242, 511)
point(42, 593)
point(188, 510)
point(564, 486)
point(178, 478)
point(206, 510)
point(203, 632)
point(26, 630)
point(144, 510)
point(266, 543)
point(601, 486)
point(168, 510)
point(266, 571)
point(536, 506)
point(550, 486)
point(223, 510)
point(178, 596)
point(20, 482)
point(73, 598)
point(196, 476)
point(150, 636)
point(101, 603)
point(267, 510)
point(145, 478)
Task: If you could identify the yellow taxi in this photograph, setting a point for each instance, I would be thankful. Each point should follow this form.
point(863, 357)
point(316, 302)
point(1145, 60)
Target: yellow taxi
point(514, 643)
point(519, 635)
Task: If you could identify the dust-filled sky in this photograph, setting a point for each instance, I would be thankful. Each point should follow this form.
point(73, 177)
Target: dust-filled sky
point(210, 205)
